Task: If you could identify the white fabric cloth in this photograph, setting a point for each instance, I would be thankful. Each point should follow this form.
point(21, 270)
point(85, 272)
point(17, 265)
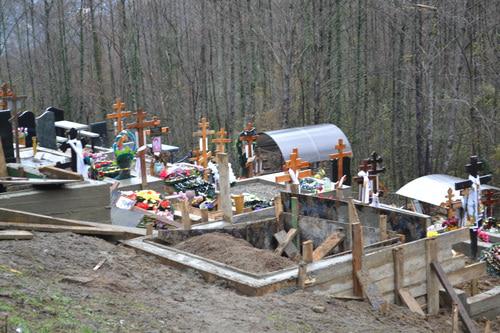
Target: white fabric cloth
point(364, 191)
point(81, 168)
point(470, 203)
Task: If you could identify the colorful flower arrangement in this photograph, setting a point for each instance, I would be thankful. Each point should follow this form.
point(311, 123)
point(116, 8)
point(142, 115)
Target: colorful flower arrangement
point(450, 224)
point(154, 202)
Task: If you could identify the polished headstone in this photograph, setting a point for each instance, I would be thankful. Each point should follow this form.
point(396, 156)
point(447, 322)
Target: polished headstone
point(27, 120)
point(100, 128)
point(59, 115)
point(46, 130)
point(6, 135)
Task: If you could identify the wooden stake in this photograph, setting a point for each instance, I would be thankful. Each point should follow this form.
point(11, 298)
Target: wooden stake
point(278, 207)
point(3, 164)
point(149, 229)
point(307, 251)
point(224, 191)
point(294, 203)
point(454, 318)
point(410, 301)
point(302, 276)
point(487, 327)
point(432, 280)
point(186, 220)
point(397, 255)
point(204, 214)
point(382, 223)
point(474, 288)
point(239, 203)
point(357, 255)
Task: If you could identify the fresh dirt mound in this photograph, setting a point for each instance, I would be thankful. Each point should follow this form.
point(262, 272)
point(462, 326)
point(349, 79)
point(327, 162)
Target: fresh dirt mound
point(234, 252)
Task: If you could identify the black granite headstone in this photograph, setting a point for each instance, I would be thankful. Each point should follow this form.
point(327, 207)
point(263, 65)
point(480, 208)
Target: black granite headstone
point(27, 120)
point(7, 137)
point(100, 128)
point(58, 116)
point(346, 165)
point(46, 130)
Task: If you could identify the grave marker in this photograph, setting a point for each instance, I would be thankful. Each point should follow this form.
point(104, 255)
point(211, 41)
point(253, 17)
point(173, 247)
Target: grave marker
point(27, 120)
point(6, 95)
point(119, 115)
point(248, 138)
point(202, 134)
point(46, 130)
point(58, 116)
point(450, 204)
point(339, 157)
point(221, 141)
point(294, 167)
point(6, 135)
point(140, 125)
point(100, 128)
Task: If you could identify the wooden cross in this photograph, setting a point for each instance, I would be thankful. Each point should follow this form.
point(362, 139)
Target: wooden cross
point(203, 134)
point(295, 163)
point(340, 157)
point(119, 106)
point(6, 94)
point(196, 156)
point(221, 141)
point(249, 138)
point(489, 201)
point(450, 205)
point(473, 169)
point(140, 126)
point(375, 161)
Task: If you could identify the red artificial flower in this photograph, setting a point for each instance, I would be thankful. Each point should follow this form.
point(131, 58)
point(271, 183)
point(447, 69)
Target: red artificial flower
point(142, 205)
point(165, 204)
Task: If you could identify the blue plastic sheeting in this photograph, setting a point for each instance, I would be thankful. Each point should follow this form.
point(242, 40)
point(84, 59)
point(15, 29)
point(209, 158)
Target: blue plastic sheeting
point(314, 142)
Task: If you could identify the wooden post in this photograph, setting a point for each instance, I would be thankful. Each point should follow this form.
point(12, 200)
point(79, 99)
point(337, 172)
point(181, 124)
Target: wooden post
point(307, 251)
point(397, 255)
point(432, 279)
point(278, 207)
point(487, 327)
point(474, 288)
point(239, 203)
point(295, 188)
point(294, 203)
point(186, 220)
point(357, 257)
point(302, 276)
point(204, 214)
point(454, 318)
point(149, 229)
point(382, 223)
point(224, 192)
point(3, 164)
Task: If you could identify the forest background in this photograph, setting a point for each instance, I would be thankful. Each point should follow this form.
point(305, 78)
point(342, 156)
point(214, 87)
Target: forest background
point(417, 81)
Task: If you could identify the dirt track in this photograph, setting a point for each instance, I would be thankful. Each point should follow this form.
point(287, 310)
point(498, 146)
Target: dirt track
point(48, 285)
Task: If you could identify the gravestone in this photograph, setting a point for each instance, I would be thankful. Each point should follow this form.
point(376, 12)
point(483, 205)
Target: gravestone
point(6, 135)
point(58, 116)
point(46, 130)
point(100, 128)
point(27, 120)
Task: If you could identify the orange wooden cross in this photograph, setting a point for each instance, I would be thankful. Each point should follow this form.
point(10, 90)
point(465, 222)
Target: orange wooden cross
point(295, 163)
point(196, 156)
point(249, 139)
point(449, 204)
point(119, 106)
point(203, 134)
point(140, 125)
point(340, 157)
point(7, 94)
point(164, 130)
point(221, 141)
point(490, 201)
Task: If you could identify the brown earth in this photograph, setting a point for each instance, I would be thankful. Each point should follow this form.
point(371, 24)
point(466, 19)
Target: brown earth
point(48, 285)
point(235, 252)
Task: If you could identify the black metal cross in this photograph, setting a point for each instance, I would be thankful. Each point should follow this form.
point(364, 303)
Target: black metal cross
point(473, 168)
point(375, 161)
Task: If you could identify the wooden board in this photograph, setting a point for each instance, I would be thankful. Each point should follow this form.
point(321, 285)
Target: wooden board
point(3, 164)
point(34, 181)
point(410, 301)
point(330, 242)
point(371, 291)
point(56, 173)
point(284, 241)
point(290, 249)
point(15, 235)
point(441, 275)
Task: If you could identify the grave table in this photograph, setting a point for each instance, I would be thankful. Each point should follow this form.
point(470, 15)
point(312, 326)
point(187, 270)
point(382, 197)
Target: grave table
point(67, 125)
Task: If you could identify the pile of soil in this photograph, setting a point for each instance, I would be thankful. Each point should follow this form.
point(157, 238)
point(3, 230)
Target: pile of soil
point(235, 252)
